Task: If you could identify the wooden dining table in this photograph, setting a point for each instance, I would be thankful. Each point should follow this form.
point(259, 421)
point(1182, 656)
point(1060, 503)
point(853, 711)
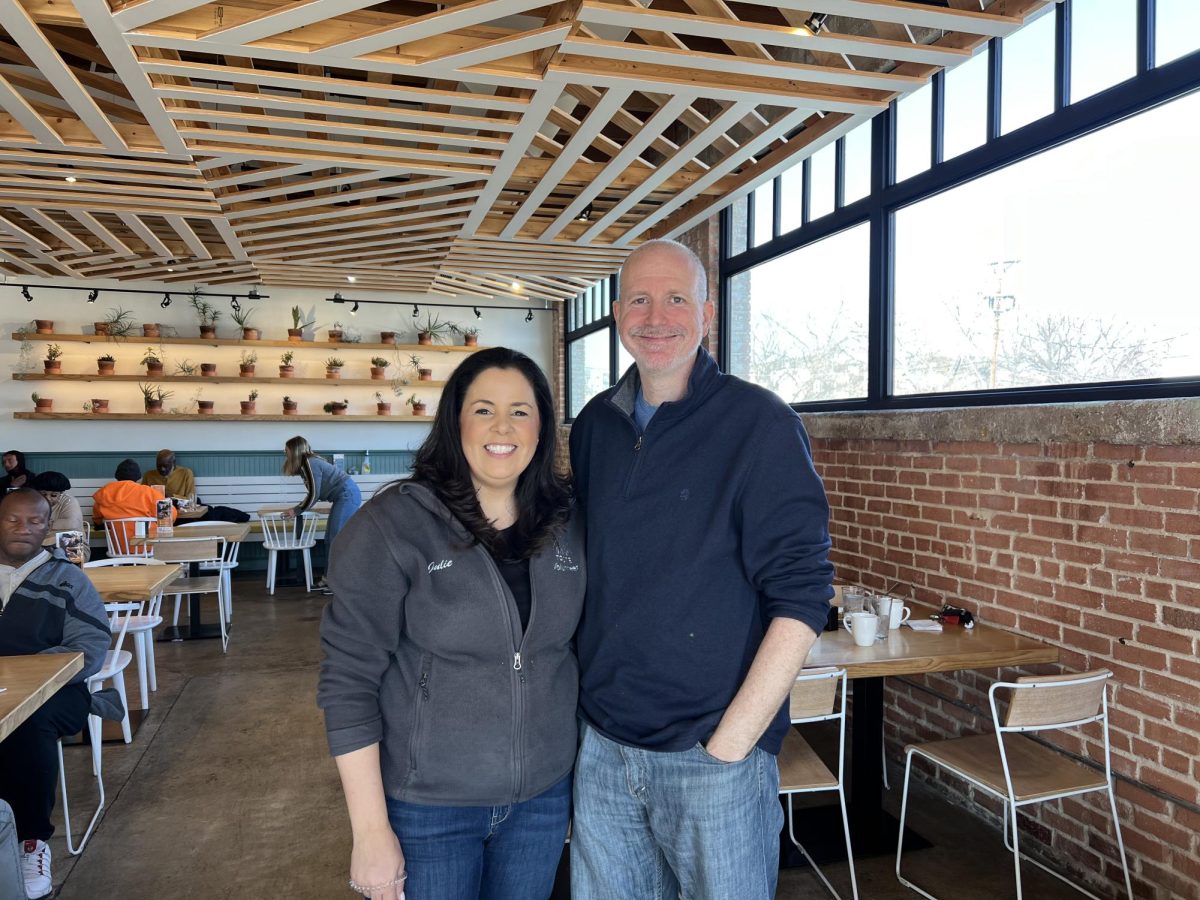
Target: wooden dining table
point(137, 584)
point(904, 652)
point(196, 629)
point(29, 681)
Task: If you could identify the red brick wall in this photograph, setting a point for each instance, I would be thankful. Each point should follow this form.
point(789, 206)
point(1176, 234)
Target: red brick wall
point(1094, 547)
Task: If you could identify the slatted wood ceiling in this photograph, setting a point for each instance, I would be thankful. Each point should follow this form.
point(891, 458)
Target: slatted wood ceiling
point(443, 147)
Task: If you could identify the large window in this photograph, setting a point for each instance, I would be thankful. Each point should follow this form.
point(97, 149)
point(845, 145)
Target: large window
point(593, 359)
point(1026, 245)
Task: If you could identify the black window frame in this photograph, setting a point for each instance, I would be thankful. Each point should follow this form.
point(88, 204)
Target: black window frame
point(574, 331)
point(1151, 87)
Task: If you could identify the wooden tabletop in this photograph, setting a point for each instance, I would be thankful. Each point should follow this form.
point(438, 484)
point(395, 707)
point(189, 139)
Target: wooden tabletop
point(131, 583)
point(908, 652)
point(231, 531)
point(30, 681)
point(321, 509)
point(194, 513)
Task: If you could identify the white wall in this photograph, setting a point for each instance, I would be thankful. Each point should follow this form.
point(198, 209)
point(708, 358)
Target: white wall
point(72, 314)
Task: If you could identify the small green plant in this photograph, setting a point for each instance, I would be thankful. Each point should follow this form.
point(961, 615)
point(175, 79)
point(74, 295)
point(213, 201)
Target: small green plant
point(248, 358)
point(415, 362)
point(151, 357)
point(242, 316)
point(120, 322)
point(185, 367)
point(467, 332)
point(253, 396)
point(378, 397)
point(379, 362)
point(298, 319)
point(413, 400)
point(36, 396)
point(163, 395)
point(335, 404)
point(87, 405)
point(336, 326)
point(53, 352)
point(437, 330)
point(334, 363)
point(285, 359)
point(154, 392)
point(106, 358)
point(206, 313)
point(287, 399)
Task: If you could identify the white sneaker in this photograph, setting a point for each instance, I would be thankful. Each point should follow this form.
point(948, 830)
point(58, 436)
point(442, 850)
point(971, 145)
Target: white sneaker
point(35, 866)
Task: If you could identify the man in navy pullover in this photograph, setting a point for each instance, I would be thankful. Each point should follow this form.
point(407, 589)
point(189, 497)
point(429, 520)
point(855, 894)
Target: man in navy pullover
point(708, 581)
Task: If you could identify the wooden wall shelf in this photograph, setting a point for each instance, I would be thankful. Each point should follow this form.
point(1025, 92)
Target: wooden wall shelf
point(218, 417)
point(237, 342)
point(231, 379)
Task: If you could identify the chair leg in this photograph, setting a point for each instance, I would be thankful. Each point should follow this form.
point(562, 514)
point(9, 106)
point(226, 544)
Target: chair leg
point(900, 840)
point(93, 727)
point(151, 665)
point(849, 851)
point(227, 580)
point(221, 601)
point(1112, 804)
point(175, 621)
point(139, 651)
point(1016, 849)
point(811, 862)
point(118, 680)
point(272, 556)
point(308, 579)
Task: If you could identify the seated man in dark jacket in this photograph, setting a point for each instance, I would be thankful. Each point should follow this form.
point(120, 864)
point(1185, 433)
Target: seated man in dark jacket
point(48, 606)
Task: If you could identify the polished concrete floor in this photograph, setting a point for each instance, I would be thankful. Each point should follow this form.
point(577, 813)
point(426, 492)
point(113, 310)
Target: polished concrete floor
point(227, 790)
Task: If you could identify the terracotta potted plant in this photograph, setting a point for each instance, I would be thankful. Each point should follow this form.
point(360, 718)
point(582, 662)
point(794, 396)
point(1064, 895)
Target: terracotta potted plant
point(387, 337)
point(286, 369)
point(290, 406)
point(246, 364)
point(422, 373)
point(248, 404)
point(333, 367)
point(44, 326)
point(205, 407)
point(433, 330)
point(151, 329)
point(242, 316)
point(296, 332)
point(382, 407)
point(152, 362)
point(335, 332)
point(99, 406)
point(418, 406)
point(42, 404)
point(470, 336)
point(336, 407)
point(206, 314)
point(379, 368)
point(101, 327)
point(154, 397)
point(53, 360)
point(118, 323)
point(209, 370)
point(106, 364)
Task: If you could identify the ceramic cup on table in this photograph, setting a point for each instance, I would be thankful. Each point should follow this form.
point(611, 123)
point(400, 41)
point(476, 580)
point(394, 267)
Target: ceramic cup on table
point(862, 627)
point(899, 614)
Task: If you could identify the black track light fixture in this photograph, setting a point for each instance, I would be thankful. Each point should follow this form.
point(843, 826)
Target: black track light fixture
point(529, 316)
point(416, 310)
point(234, 305)
point(478, 314)
point(93, 294)
point(25, 293)
point(586, 215)
point(253, 295)
point(354, 308)
point(815, 23)
point(166, 301)
point(337, 297)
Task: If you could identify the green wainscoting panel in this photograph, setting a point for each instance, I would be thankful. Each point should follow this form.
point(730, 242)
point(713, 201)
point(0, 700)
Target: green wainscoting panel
point(249, 463)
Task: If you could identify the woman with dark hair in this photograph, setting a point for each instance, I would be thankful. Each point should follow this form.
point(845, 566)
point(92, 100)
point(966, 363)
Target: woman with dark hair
point(15, 473)
point(322, 482)
point(449, 682)
point(65, 514)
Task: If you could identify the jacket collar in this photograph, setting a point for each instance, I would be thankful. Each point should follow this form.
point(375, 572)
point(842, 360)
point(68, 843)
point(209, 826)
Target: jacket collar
point(428, 498)
point(705, 377)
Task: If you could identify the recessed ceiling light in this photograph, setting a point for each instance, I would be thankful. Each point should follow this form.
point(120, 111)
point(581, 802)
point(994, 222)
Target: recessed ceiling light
point(72, 179)
point(351, 279)
point(516, 286)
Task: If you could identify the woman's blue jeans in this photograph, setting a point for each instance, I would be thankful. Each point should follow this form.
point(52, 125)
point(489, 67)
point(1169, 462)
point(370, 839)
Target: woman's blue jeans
point(344, 506)
point(483, 852)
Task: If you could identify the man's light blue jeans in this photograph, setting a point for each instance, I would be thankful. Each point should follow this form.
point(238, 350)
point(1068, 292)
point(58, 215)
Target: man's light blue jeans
point(649, 825)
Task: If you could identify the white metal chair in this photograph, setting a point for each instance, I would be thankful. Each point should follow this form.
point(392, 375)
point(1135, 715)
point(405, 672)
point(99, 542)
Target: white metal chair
point(206, 552)
point(815, 698)
point(1020, 772)
point(282, 534)
point(115, 662)
point(141, 626)
point(226, 566)
point(126, 537)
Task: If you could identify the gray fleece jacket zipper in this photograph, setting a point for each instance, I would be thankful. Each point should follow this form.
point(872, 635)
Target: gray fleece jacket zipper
point(422, 655)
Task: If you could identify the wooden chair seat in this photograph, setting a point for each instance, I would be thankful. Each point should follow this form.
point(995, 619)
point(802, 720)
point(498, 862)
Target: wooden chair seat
point(203, 584)
point(1036, 771)
point(800, 769)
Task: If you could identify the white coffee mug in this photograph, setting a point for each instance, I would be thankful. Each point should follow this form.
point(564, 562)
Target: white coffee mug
point(900, 614)
point(862, 628)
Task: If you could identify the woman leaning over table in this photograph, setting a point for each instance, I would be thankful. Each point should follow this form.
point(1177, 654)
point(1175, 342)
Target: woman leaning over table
point(449, 682)
point(322, 482)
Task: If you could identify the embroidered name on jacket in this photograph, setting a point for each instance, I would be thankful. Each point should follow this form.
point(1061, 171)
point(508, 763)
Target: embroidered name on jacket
point(437, 566)
point(562, 559)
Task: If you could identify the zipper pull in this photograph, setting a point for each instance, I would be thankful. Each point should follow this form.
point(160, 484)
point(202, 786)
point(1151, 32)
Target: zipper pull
point(638, 445)
point(424, 685)
point(517, 661)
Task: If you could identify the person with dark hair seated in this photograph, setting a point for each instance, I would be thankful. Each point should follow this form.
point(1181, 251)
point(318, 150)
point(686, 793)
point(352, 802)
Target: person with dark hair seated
point(15, 473)
point(125, 498)
point(449, 679)
point(65, 514)
point(48, 606)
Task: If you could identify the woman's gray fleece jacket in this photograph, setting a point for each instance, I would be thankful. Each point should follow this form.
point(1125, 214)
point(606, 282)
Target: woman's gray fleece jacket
point(423, 654)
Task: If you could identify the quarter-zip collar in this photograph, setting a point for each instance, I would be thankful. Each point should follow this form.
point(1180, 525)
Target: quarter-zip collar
point(705, 378)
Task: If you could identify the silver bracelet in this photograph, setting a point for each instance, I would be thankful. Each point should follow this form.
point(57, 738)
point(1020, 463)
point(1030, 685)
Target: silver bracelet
point(367, 890)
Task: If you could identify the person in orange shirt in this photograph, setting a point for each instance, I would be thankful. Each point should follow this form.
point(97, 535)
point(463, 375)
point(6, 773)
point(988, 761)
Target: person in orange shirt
point(125, 498)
